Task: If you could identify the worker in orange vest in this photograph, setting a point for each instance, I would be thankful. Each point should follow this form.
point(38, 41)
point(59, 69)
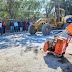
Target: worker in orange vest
point(68, 28)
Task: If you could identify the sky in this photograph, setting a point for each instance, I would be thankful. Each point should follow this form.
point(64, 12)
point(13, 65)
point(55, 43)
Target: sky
point(42, 0)
point(42, 11)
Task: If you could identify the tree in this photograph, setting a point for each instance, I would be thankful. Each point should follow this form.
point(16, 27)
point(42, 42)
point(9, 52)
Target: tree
point(10, 6)
point(67, 5)
point(31, 6)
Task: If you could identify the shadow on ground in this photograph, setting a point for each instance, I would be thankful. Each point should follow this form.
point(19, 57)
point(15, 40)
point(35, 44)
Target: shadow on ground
point(9, 40)
point(54, 63)
point(17, 39)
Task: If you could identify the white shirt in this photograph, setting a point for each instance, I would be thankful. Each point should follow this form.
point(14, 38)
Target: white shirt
point(64, 32)
point(15, 24)
point(0, 24)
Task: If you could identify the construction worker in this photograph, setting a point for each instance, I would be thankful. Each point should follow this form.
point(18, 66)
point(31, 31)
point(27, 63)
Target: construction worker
point(50, 45)
point(68, 28)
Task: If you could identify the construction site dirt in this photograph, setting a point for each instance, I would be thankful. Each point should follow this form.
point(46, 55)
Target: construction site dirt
point(20, 52)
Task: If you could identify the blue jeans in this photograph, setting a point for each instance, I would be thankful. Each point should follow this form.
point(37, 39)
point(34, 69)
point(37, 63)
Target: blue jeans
point(26, 28)
point(12, 28)
point(16, 29)
point(3, 29)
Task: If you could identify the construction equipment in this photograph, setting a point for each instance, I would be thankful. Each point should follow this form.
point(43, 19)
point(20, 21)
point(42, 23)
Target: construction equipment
point(58, 46)
point(46, 24)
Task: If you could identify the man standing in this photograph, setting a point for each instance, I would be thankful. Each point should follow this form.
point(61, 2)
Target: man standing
point(11, 26)
point(3, 25)
point(21, 26)
point(1, 28)
point(16, 26)
point(19, 23)
point(26, 25)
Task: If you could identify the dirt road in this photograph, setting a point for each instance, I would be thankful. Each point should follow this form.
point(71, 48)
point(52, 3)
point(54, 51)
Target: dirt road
point(20, 52)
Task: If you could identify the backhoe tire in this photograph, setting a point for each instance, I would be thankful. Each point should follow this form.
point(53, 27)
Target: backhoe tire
point(46, 29)
point(32, 29)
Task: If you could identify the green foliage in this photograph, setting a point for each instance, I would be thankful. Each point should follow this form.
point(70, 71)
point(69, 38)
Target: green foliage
point(65, 4)
point(20, 9)
point(30, 9)
point(4, 15)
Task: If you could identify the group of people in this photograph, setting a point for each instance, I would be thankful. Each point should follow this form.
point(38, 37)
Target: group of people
point(19, 26)
point(15, 26)
point(2, 27)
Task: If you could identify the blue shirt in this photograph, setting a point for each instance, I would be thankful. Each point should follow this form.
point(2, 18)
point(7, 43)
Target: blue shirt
point(15, 24)
point(0, 24)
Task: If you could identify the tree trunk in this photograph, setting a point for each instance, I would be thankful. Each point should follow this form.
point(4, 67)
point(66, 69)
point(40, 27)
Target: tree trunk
point(11, 14)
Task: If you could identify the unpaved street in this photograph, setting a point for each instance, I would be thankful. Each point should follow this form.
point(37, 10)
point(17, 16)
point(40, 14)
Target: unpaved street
point(20, 52)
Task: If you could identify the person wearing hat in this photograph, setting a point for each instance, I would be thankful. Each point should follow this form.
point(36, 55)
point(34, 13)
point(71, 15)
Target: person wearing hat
point(68, 28)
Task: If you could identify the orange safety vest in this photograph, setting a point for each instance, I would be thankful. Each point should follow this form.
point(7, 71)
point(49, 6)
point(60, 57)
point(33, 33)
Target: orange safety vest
point(69, 28)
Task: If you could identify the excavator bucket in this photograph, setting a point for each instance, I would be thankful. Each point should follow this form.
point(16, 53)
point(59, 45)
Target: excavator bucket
point(45, 47)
